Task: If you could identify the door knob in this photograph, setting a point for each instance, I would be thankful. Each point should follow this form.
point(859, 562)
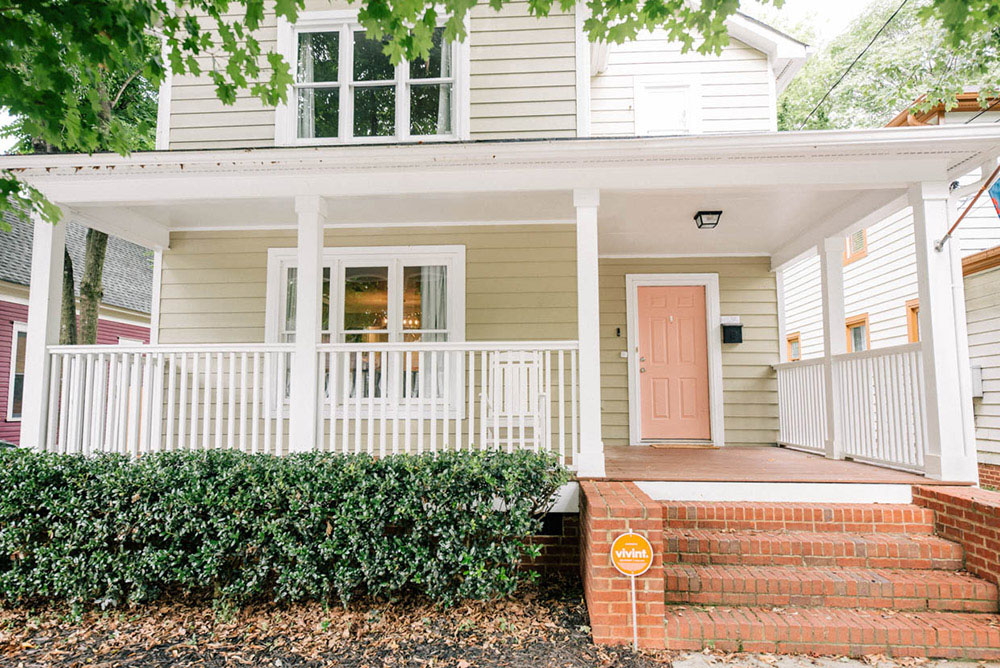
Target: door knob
point(642, 370)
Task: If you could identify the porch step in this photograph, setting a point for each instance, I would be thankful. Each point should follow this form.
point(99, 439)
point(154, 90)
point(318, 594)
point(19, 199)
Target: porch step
point(802, 548)
point(813, 517)
point(834, 631)
point(768, 586)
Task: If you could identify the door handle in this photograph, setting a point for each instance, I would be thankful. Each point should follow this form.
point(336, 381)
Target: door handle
point(642, 370)
point(642, 359)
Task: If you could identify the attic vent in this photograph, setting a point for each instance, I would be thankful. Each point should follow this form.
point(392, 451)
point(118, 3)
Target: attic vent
point(856, 243)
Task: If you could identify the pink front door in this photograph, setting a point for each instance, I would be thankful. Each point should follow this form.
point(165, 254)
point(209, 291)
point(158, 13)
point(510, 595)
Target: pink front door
point(673, 363)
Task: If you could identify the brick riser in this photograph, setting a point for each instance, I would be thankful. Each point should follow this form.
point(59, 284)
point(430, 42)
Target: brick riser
point(810, 517)
point(811, 549)
point(834, 631)
point(778, 586)
point(822, 579)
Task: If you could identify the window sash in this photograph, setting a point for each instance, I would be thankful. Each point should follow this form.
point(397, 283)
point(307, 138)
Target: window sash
point(18, 330)
point(347, 86)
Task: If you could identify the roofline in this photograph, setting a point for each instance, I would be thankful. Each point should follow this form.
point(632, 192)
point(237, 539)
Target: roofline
point(721, 146)
point(969, 95)
point(768, 26)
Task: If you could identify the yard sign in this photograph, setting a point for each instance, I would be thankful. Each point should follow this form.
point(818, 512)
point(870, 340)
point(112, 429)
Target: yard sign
point(632, 555)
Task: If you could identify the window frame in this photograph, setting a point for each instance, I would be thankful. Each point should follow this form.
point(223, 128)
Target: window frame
point(345, 22)
point(857, 321)
point(16, 327)
point(794, 337)
point(913, 321)
point(863, 253)
point(640, 96)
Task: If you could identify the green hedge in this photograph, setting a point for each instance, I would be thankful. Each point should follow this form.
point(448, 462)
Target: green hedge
point(110, 530)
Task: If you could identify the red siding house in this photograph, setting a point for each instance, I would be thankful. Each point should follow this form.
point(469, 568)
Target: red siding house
point(124, 311)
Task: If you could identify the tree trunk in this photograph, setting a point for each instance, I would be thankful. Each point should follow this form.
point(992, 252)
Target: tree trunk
point(67, 324)
point(92, 286)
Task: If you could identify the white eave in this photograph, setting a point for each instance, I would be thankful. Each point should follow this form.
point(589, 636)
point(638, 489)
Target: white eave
point(787, 54)
point(959, 148)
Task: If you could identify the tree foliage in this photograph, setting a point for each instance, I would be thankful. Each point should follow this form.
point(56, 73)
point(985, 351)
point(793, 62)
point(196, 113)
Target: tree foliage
point(932, 50)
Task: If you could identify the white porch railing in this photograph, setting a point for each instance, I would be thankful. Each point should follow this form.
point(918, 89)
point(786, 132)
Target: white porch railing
point(375, 398)
point(427, 397)
point(138, 399)
point(801, 400)
point(881, 396)
point(882, 406)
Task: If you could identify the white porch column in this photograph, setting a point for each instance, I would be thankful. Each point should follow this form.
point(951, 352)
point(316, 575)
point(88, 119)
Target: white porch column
point(831, 263)
point(303, 411)
point(44, 301)
point(951, 441)
point(591, 462)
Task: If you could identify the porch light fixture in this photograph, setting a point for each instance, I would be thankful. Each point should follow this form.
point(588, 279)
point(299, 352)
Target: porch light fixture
point(707, 220)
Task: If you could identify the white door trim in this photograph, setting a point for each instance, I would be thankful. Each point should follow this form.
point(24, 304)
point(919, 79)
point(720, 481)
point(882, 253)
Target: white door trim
point(713, 331)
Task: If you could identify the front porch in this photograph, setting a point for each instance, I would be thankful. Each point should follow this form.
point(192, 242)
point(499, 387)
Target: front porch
point(425, 298)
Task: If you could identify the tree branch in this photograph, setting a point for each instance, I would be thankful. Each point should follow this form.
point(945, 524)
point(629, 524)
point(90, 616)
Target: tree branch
point(131, 77)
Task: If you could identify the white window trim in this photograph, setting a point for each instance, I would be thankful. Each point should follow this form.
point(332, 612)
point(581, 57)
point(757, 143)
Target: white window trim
point(285, 117)
point(641, 84)
point(17, 327)
point(280, 259)
point(713, 332)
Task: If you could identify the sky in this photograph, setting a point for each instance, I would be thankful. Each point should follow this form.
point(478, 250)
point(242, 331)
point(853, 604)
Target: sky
point(830, 17)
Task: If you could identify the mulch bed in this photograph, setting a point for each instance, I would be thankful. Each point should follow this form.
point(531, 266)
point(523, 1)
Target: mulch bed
point(544, 626)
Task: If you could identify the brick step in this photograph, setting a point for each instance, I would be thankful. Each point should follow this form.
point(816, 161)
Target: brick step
point(768, 586)
point(834, 631)
point(800, 548)
point(815, 517)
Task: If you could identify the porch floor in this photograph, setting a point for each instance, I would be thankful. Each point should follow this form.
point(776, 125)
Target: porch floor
point(745, 464)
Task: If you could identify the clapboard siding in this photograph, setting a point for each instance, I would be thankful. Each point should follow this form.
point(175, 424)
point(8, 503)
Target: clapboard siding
point(522, 84)
point(982, 300)
point(803, 306)
point(522, 73)
point(735, 88)
point(747, 289)
point(214, 283)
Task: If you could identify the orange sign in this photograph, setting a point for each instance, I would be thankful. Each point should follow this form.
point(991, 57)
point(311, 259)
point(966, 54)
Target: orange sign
point(631, 554)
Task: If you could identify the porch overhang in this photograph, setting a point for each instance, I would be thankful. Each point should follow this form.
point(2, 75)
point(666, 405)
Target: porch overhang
point(781, 192)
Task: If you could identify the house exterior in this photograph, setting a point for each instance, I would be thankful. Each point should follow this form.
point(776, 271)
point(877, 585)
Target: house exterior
point(124, 312)
point(514, 244)
point(532, 242)
point(880, 282)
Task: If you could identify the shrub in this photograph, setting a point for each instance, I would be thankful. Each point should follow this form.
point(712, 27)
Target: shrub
point(110, 530)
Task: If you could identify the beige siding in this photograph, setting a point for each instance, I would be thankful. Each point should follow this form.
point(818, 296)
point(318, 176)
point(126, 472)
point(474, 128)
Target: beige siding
point(523, 73)
point(736, 87)
point(520, 280)
point(982, 300)
point(747, 289)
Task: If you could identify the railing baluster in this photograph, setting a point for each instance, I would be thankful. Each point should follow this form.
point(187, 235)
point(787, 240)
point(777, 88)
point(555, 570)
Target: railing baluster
point(219, 395)
point(383, 402)
point(243, 402)
point(433, 400)
point(370, 436)
point(255, 407)
point(472, 399)
point(358, 391)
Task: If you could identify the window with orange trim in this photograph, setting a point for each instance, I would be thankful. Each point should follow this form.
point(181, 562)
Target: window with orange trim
point(855, 246)
point(858, 335)
point(913, 320)
point(794, 342)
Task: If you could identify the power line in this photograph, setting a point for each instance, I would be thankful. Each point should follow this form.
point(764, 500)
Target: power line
point(855, 62)
point(989, 108)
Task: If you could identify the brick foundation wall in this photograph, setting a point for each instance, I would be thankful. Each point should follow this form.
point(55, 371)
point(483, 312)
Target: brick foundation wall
point(971, 518)
point(608, 509)
point(560, 541)
point(989, 475)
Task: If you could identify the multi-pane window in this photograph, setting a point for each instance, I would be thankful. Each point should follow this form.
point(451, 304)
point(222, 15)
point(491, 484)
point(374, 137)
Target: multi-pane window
point(794, 347)
point(857, 333)
point(380, 297)
point(347, 88)
point(15, 387)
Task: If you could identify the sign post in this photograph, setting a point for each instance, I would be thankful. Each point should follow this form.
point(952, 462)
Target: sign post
point(632, 555)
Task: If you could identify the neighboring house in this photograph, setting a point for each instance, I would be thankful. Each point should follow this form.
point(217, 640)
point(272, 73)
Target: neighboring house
point(880, 284)
point(532, 242)
point(124, 312)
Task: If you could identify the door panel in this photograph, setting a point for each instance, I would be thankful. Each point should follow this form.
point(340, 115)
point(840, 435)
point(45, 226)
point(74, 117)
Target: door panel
point(673, 363)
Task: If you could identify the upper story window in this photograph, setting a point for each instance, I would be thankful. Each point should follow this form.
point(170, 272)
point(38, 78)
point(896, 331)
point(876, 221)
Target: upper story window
point(666, 106)
point(347, 90)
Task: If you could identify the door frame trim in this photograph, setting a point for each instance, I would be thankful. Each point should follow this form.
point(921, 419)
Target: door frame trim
point(713, 331)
